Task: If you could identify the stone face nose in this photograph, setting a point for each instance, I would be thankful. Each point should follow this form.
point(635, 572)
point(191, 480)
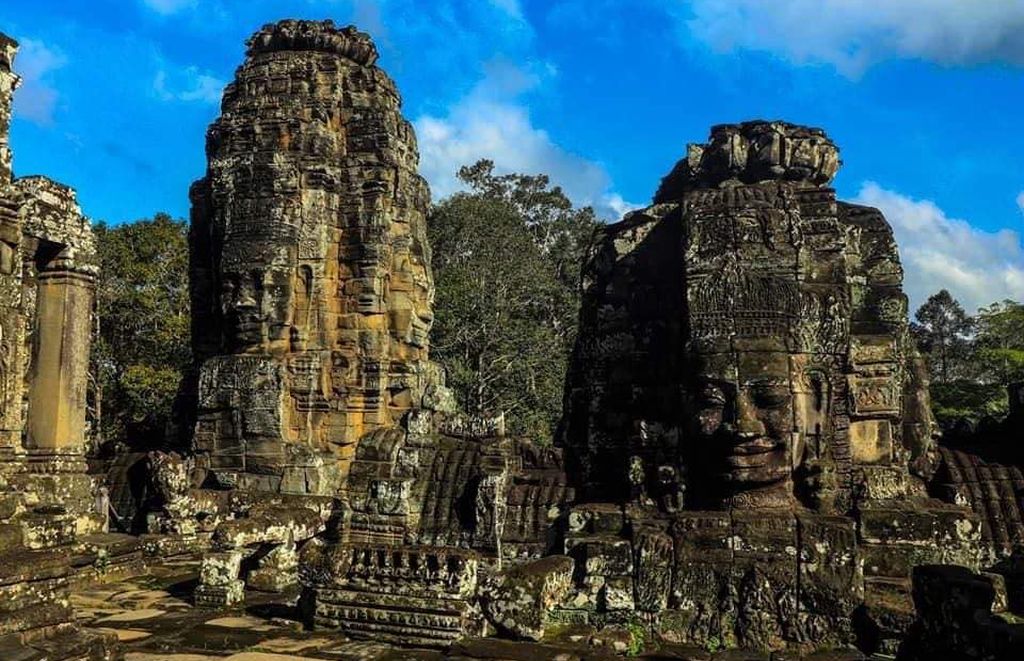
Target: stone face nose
point(245, 298)
point(748, 423)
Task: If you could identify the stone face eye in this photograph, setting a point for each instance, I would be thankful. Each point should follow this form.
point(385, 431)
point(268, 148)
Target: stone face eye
point(712, 397)
point(766, 398)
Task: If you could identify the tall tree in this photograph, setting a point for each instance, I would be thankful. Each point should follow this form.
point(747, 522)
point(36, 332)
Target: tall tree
point(143, 337)
point(942, 331)
point(561, 231)
point(999, 343)
point(506, 259)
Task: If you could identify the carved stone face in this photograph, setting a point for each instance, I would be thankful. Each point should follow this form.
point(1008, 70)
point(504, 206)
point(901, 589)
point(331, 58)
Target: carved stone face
point(745, 422)
point(256, 300)
point(241, 294)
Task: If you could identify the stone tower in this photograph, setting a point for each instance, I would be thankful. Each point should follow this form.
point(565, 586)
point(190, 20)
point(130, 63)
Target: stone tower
point(745, 386)
point(747, 291)
point(8, 81)
point(310, 270)
point(47, 281)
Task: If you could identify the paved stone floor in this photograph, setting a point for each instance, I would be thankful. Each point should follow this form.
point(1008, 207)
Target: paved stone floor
point(154, 618)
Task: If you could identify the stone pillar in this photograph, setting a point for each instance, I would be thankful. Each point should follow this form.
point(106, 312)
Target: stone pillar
point(10, 267)
point(12, 328)
point(57, 292)
point(8, 82)
point(57, 395)
point(55, 439)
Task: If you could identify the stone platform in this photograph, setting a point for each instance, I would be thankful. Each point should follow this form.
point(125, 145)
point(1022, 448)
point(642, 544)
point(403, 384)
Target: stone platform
point(154, 617)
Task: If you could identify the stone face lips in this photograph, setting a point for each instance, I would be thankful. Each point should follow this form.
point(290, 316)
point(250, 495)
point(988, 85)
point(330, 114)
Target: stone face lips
point(310, 273)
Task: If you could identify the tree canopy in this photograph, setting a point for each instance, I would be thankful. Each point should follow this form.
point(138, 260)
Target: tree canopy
point(942, 331)
point(506, 259)
point(999, 342)
point(972, 359)
point(142, 344)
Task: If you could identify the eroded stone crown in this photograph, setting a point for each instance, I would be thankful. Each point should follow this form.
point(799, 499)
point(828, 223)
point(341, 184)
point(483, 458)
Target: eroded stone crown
point(752, 152)
point(297, 35)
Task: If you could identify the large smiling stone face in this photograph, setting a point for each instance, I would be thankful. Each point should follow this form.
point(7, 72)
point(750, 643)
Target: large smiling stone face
point(743, 413)
point(256, 297)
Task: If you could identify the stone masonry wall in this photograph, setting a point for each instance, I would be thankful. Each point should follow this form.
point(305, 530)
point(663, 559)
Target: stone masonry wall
point(310, 273)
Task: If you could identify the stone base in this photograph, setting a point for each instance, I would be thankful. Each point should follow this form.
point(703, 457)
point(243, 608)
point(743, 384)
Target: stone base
point(409, 596)
point(271, 579)
point(220, 582)
point(219, 596)
point(173, 546)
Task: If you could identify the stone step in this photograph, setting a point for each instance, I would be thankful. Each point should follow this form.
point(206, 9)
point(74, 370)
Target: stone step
point(45, 530)
point(436, 604)
point(394, 635)
point(399, 619)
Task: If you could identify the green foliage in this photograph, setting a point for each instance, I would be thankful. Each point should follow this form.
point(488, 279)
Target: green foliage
point(972, 359)
point(143, 336)
point(506, 259)
point(713, 644)
point(637, 637)
point(999, 343)
point(967, 399)
point(942, 331)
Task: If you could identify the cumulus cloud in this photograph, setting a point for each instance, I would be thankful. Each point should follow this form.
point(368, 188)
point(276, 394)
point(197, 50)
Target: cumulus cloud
point(853, 34)
point(939, 252)
point(36, 99)
point(491, 122)
point(168, 7)
point(188, 84)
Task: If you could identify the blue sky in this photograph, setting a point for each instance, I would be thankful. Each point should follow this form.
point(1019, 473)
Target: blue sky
point(922, 96)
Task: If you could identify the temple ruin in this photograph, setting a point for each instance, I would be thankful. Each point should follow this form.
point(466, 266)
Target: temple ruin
point(47, 499)
point(744, 360)
point(747, 468)
point(310, 269)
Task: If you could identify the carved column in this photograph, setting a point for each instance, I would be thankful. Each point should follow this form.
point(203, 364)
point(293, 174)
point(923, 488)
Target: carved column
point(8, 83)
point(57, 394)
point(10, 267)
point(12, 327)
point(57, 290)
point(55, 439)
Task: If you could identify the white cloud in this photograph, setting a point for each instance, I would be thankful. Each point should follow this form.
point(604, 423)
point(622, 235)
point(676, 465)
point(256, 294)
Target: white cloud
point(189, 84)
point(510, 7)
point(168, 7)
point(1020, 201)
point(36, 99)
point(618, 206)
point(939, 252)
point(853, 34)
point(492, 123)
